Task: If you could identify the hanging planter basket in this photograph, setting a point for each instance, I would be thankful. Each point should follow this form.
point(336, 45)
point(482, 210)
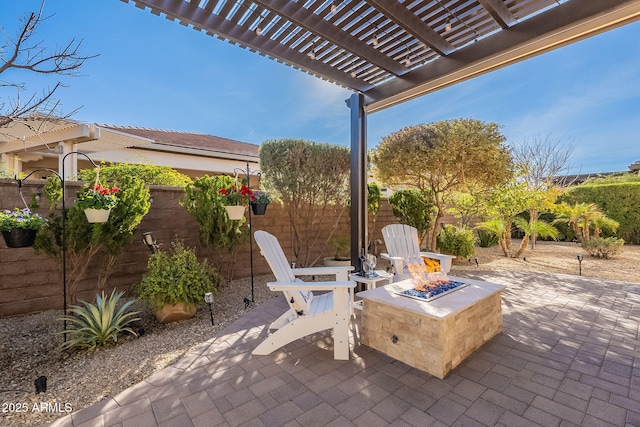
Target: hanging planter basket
point(19, 237)
point(258, 208)
point(235, 212)
point(97, 215)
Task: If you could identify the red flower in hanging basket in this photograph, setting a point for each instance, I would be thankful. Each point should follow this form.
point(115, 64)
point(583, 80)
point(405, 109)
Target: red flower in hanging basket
point(98, 197)
point(234, 196)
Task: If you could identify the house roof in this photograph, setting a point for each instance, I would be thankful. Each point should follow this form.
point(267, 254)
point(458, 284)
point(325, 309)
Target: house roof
point(195, 143)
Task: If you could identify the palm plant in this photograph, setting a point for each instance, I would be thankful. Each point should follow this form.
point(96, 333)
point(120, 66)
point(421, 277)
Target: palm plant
point(502, 229)
point(95, 325)
point(533, 227)
point(581, 217)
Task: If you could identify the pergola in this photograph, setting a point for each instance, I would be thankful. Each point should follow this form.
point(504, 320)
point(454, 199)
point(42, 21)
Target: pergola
point(390, 51)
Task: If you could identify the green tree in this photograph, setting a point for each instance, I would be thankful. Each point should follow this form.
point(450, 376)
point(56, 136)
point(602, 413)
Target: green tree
point(541, 160)
point(442, 157)
point(311, 180)
point(503, 206)
point(413, 208)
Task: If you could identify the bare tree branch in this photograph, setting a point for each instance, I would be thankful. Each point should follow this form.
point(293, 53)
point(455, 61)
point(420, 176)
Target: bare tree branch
point(24, 54)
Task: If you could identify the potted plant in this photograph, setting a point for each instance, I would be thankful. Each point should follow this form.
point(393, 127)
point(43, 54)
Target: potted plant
point(259, 202)
point(176, 282)
point(19, 227)
point(342, 246)
point(234, 199)
point(97, 202)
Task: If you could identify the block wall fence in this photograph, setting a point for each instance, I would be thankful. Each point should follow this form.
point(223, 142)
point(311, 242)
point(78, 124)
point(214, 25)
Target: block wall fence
point(31, 282)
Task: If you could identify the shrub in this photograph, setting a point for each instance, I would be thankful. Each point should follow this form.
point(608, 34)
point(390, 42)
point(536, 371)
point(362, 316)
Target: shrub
point(97, 324)
point(487, 239)
point(311, 180)
point(414, 208)
point(176, 278)
point(149, 174)
point(603, 247)
point(456, 241)
point(617, 200)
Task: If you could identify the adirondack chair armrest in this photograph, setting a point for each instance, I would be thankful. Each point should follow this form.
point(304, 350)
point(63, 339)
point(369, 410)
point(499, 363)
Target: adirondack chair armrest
point(341, 272)
point(310, 271)
point(391, 258)
point(310, 286)
point(434, 255)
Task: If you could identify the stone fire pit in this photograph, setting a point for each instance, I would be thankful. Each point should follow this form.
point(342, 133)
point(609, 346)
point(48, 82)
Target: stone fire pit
point(436, 335)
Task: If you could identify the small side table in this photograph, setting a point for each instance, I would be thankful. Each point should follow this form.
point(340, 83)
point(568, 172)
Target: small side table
point(370, 283)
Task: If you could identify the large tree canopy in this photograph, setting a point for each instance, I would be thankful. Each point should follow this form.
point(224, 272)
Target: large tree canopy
point(440, 157)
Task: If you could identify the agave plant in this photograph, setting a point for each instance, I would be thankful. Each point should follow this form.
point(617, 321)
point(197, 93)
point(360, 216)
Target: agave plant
point(94, 325)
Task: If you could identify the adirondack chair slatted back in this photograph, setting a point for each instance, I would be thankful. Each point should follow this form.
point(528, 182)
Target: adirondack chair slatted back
point(300, 301)
point(402, 241)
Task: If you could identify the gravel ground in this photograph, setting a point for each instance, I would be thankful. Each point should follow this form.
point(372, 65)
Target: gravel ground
point(77, 380)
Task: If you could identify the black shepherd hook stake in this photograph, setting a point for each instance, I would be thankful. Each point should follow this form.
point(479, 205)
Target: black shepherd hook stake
point(247, 173)
point(61, 177)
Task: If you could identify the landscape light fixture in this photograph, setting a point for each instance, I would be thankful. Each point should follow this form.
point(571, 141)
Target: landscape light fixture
point(580, 257)
point(208, 298)
point(41, 384)
point(149, 239)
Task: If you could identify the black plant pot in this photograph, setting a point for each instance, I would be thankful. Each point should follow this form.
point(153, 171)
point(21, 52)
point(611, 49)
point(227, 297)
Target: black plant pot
point(258, 208)
point(19, 237)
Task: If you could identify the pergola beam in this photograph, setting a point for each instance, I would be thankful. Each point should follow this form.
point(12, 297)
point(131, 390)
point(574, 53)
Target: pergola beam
point(557, 27)
point(395, 11)
point(499, 12)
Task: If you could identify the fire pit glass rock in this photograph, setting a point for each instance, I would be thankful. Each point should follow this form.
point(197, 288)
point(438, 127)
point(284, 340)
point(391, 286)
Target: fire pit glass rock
point(429, 286)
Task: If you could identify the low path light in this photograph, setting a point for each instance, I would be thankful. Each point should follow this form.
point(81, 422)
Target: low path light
point(580, 257)
point(208, 298)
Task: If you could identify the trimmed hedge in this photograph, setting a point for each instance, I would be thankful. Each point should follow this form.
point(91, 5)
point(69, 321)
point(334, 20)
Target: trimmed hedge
point(619, 201)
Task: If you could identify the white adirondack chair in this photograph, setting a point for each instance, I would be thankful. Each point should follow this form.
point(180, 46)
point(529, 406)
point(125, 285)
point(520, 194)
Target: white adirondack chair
point(308, 313)
point(403, 247)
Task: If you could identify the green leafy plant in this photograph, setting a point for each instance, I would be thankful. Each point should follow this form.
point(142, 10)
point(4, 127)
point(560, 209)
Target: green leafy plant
point(215, 231)
point(94, 326)
point(413, 208)
point(260, 197)
point(341, 245)
point(176, 277)
point(149, 174)
point(603, 247)
point(456, 241)
point(97, 245)
point(487, 239)
point(98, 197)
point(21, 218)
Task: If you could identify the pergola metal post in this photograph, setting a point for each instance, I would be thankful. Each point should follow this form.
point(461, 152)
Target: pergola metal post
point(358, 178)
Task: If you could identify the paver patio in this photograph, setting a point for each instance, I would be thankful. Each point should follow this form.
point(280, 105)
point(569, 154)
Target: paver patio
point(569, 355)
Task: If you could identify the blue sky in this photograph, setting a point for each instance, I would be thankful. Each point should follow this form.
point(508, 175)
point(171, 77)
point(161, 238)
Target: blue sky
point(155, 73)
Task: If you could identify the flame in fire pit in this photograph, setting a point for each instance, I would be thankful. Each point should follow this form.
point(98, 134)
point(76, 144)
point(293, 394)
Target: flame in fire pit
point(429, 286)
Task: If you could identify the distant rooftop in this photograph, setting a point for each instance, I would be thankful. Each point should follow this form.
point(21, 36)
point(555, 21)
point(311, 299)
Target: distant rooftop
point(170, 140)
